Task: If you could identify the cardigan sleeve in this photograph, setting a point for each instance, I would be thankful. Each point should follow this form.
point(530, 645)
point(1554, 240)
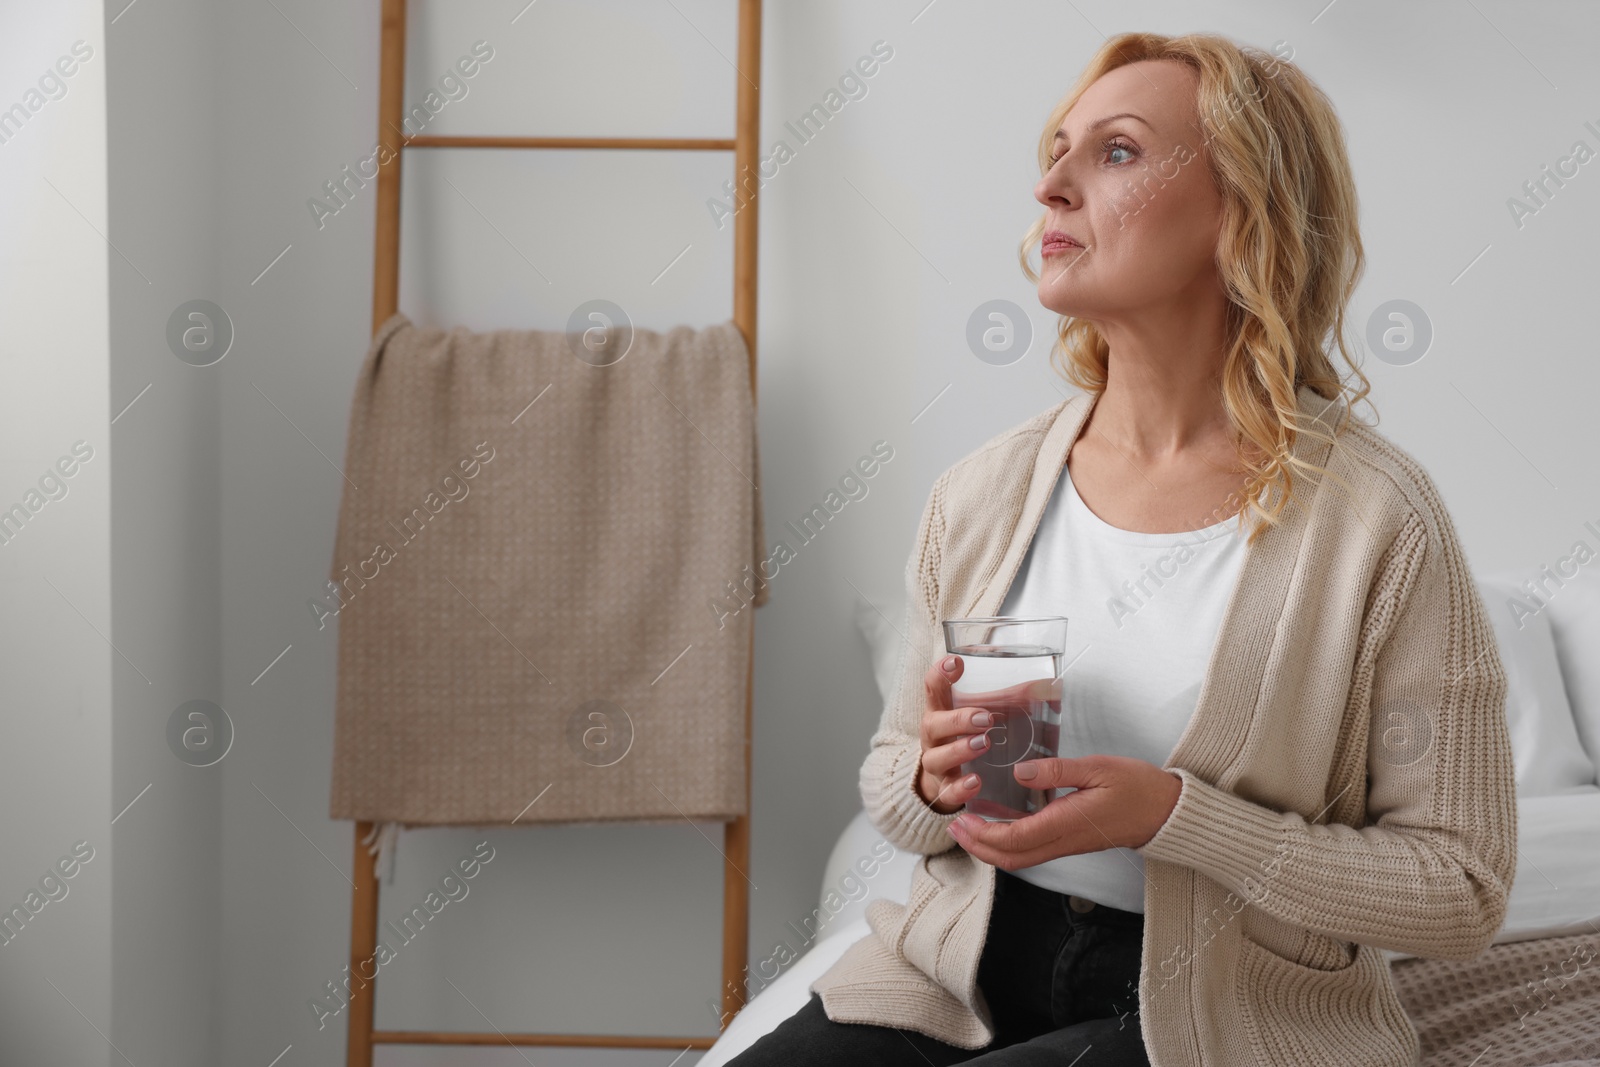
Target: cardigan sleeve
point(890, 772)
point(1431, 871)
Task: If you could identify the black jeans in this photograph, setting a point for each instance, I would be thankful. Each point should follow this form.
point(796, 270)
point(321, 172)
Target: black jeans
point(1059, 981)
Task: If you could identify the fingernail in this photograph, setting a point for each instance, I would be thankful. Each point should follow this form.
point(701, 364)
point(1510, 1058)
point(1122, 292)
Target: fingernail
point(982, 718)
point(1026, 771)
point(979, 740)
point(949, 663)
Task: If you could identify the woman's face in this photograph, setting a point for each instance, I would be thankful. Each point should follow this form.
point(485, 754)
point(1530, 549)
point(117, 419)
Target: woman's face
point(1135, 194)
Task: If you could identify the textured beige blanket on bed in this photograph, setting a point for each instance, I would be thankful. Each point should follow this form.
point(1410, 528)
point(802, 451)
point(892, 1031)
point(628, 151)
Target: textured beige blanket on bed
point(546, 575)
point(1526, 1004)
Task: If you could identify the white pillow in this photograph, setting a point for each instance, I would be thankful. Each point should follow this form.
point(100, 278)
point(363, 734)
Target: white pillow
point(1574, 611)
point(1550, 760)
point(863, 867)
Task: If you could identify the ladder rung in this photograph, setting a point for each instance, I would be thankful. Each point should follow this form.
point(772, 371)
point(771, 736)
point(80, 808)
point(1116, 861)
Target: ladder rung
point(717, 144)
point(451, 1037)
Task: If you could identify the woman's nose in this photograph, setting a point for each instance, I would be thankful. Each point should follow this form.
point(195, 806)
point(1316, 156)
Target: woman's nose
point(1055, 184)
point(1053, 187)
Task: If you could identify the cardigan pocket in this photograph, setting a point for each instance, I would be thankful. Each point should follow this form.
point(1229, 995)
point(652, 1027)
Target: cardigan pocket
point(1294, 1013)
point(1306, 948)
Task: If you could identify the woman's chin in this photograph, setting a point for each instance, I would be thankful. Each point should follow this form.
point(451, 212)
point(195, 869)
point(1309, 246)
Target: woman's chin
point(1053, 299)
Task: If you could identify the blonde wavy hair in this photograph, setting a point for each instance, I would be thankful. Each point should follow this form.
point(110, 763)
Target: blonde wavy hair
point(1289, 254)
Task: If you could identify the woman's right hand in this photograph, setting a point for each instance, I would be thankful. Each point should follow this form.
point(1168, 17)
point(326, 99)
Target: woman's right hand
point(951, 736)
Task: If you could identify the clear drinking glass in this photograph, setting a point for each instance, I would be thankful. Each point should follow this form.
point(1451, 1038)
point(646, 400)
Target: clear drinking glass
point(1011, 665)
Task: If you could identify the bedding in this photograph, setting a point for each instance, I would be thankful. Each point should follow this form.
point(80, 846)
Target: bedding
point(1523, 1004)
point(1532, 999)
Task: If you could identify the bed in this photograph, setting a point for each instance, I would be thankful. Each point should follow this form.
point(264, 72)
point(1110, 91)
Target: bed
point(1532, 999)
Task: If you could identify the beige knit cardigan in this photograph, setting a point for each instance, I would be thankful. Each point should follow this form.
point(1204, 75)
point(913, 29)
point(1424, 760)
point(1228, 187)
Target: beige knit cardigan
point(1347, 773)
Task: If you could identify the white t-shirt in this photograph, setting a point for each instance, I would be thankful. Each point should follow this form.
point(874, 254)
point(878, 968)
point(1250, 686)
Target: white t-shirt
point(1143, 611)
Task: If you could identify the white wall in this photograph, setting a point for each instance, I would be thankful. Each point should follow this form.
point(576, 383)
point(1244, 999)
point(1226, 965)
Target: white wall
point(56, 789)
point(878, 240)
point(164, 117)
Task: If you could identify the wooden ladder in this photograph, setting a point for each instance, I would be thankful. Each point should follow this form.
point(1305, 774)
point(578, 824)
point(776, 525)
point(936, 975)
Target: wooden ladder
point(385, 302)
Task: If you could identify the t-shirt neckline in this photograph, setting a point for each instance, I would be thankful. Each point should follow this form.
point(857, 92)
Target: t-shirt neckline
point(1139, 537)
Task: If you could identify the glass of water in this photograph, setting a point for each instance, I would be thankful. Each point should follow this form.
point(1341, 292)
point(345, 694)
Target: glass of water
point(1011, 666)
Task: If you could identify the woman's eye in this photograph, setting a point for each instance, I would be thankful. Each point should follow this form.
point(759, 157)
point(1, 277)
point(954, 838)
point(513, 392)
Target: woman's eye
point(1109, 146)
point(1117, 146)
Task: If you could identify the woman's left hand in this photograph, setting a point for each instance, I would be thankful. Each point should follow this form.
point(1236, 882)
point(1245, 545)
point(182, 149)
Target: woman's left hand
point(1117, 802)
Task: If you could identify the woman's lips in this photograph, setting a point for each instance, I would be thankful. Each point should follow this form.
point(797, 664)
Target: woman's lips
point(1055, 243)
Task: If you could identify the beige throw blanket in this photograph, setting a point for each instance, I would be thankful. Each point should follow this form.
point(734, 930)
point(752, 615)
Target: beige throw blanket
point(547, 569)
point(1522, 1004)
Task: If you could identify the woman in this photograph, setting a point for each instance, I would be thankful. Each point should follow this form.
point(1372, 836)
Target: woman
point(1283, 731)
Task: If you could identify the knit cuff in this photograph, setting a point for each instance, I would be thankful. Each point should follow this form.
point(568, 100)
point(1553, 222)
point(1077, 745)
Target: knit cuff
point(1219, 834)
point(922, 828)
